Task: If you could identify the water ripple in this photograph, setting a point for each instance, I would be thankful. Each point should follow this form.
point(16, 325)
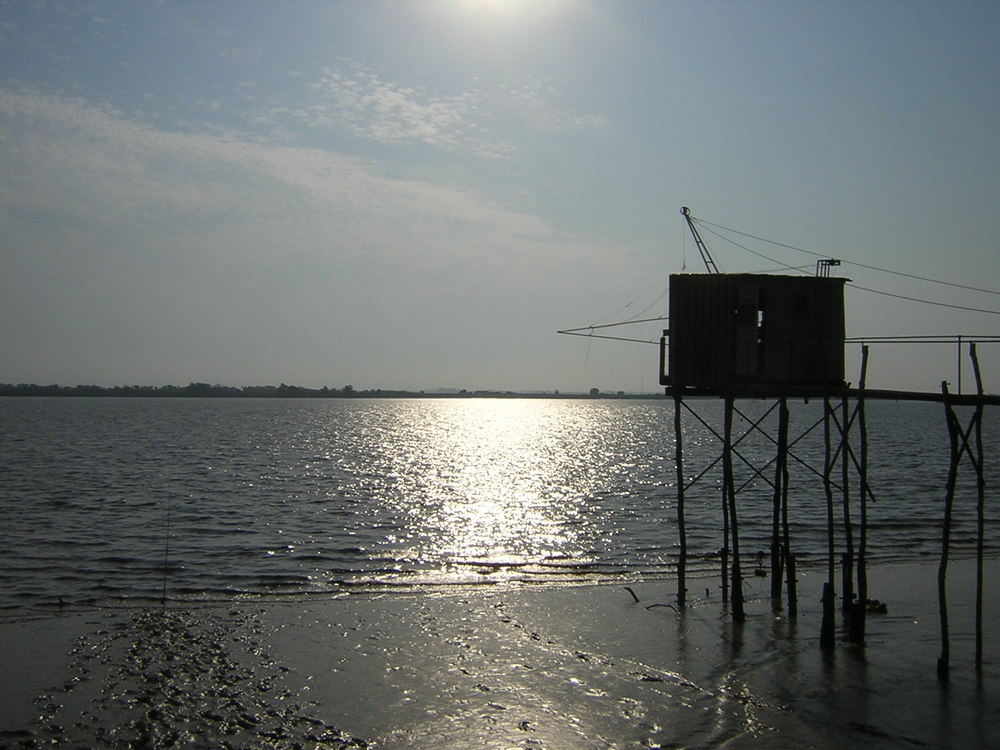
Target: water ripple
point(111, 498)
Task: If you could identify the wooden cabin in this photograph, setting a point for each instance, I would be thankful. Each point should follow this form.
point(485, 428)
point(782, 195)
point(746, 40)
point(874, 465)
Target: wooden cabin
point(754, 332)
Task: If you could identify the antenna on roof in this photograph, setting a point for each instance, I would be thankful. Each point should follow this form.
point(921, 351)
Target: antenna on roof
point(823, 266)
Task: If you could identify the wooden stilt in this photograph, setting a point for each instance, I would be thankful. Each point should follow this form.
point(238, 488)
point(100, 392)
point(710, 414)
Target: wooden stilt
point(793, 605)
point(826, 637)
point(729, 494)
point(860, 609)
point(847, 584)
point(827, 627)
point(727, 461)
point(944, 659)
point(681, 530)
point(980, 507)
point(792, 586)
point(778, 549)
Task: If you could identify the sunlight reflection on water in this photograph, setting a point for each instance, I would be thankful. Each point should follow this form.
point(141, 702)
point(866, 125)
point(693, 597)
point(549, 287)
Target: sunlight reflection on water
point(498, 484)
point(106, 498)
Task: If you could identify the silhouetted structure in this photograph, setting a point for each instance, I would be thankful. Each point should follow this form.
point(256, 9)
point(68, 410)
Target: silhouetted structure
point(757, 332)
point(774, 337)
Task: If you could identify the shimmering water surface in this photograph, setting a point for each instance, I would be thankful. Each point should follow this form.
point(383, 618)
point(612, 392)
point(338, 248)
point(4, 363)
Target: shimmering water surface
point(103, 499)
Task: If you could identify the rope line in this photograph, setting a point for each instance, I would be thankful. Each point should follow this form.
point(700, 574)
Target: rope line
point(752, 252)
point(852, 262)
point(965, 308)
point(925, 301)
point(611, 325)
point(710, 227)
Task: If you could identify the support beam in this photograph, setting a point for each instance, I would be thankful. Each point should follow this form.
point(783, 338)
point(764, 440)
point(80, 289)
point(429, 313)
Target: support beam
point(980, 508)
point(789, 556)
point(826, 637)
point(780, 498)
point(729, 501)
point(847, 564)
point(944, 660)
point(860, 609)
point(681, 528)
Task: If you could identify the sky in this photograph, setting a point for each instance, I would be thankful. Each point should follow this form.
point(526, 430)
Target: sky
point(421, 194)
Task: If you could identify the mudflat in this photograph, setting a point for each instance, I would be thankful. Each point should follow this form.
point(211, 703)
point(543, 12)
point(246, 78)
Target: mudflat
point(506, 666)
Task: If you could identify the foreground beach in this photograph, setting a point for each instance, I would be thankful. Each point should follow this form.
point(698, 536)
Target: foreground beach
point(498, 667)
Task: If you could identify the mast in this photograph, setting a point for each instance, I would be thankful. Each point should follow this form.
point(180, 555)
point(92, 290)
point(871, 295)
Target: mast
point(705, 255)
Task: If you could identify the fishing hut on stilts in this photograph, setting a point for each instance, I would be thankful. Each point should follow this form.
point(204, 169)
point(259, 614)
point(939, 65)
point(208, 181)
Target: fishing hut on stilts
point(776, 340)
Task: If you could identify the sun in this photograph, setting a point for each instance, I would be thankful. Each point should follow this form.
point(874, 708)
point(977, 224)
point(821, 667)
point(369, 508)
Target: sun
point(509, 10)
point(491, 6)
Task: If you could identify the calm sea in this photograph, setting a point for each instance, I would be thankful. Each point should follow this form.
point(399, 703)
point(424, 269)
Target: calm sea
point(104, 500)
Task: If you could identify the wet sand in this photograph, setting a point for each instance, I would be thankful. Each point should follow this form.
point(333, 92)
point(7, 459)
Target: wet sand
point(584, 667)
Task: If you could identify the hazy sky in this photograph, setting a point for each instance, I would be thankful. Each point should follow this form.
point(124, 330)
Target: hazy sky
point(420, 194)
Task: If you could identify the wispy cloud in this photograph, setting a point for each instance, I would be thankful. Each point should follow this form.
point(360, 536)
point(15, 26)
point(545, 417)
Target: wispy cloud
point(126, 233)
point(536, 101)
point(92, 164)
point(490, 123)
point(356, 99)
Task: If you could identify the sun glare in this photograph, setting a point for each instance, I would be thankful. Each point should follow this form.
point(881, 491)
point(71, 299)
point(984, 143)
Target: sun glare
point(512, 11)
point(493, 6)
point(489, 495)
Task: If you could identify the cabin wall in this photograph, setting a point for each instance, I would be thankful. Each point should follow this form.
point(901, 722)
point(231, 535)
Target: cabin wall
point(728, 330)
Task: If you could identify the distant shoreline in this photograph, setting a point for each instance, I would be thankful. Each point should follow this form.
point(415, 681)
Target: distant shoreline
point(205, 390)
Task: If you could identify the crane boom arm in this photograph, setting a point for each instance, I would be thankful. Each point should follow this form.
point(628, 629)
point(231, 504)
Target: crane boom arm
point(706, 257)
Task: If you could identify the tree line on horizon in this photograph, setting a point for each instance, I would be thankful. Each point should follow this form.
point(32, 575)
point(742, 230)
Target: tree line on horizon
point(207, 390)
point(192, 390)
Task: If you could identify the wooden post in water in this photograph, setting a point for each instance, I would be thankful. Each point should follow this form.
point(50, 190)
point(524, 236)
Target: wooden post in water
point(827, 637)
point(980, 506)
point(681, 531)
point(847, 565)
point(727, 469)
point(791, 583)
point(942, 579)
point(860, 609)
point(729, 500)
point(793, 597)
point(959, 446)
point(780, 472)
